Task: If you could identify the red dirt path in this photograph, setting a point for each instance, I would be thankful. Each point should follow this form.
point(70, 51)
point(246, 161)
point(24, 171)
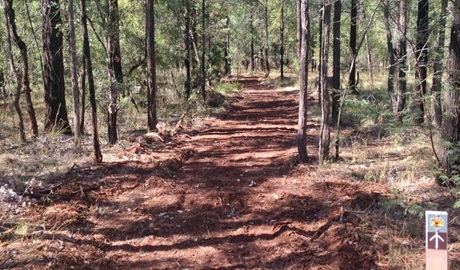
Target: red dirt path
point(227, 197)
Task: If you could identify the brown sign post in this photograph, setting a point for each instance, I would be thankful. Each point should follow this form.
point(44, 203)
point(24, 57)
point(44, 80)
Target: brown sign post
point(436, 240)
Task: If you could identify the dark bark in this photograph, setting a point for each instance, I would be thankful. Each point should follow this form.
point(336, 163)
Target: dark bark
point(299, 28)
point(115, 70)
point(302, 126)
point(402, 83)
point(421, 55)
point(92, 92)
point(391, 53)
point(151, 66)
point(267, 42)
point(203, 50)
point(450, 127)
point(227, 48)
point(336, 54)
point(188, 48)
point(251, 21)
point(56, 110)
point(10, 16)
point(353, 52)
point(282, 40)
point(438, 67)
point(324, 139)
point(34, 35)
point(17, 75)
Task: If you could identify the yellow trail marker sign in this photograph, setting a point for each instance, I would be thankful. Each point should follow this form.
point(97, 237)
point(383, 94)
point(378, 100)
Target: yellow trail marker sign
point(436, 240)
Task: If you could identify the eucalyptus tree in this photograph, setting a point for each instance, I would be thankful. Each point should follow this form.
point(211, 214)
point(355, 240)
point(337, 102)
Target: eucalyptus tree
point(14, 74)
point(53, 78)
point(303, 101)
point(325, 136)
point(282, 39)
point(438, 66)
point(353, 50)
point(11, 24)
point(421, 60)
point(450, 127)
point(203, 50)
point(114, 68)
point(74, 71)
point(391, 52)
point(402, 55)
point(152, 118)
point(88, 64)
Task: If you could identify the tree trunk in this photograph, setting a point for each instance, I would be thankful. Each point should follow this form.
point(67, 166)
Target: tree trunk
point(402, 83)
point(251, 21)
point(421, 55)
point(10, 16)
point(336, 54)
point(188, 48)
point(438, 67)
point(14, 73)
point(115, 70)
point(305, 37)
point(299, 28)
point(336, 68)
point(391, 53)
point(450, 128)
point(203, 51)
point(56, 110)
point(92, 91)
point(151, 66)
point(324, 139)
point(227, 48)
point(267, 42)
point(74, 71)
point(353, 37)
point(282, 40)
point(34, 35)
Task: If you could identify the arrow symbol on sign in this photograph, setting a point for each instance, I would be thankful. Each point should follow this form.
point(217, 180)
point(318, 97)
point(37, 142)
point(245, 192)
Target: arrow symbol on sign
point(436, 237)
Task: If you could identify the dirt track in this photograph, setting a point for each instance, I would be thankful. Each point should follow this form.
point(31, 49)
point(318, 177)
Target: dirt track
point(227, 197)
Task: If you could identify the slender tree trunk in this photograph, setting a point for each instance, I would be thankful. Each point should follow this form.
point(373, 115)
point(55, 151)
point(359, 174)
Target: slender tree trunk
point(353, 51)
point(251, 21)
point(115, 71)
point(267, 42)
point(11, 23)
point(14, 73)
point(336, 54)
point(324, 139)
point(187, 43)
point(305, 37)
point(438, 67)
point(151, 66)
point(421, 55)
point(29, 18)
point(203, 51)
point(91, 87)
point(402, 83)
point(282, 40)
point(299, 27)
point(391, 53)
point(450, 128)
point(74, 71)
point(83, 97)
point(336, 51)
point(227, 48)
point(56, 110)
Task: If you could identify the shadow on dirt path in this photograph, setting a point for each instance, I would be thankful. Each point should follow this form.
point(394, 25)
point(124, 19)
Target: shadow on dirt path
point(228, 199)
